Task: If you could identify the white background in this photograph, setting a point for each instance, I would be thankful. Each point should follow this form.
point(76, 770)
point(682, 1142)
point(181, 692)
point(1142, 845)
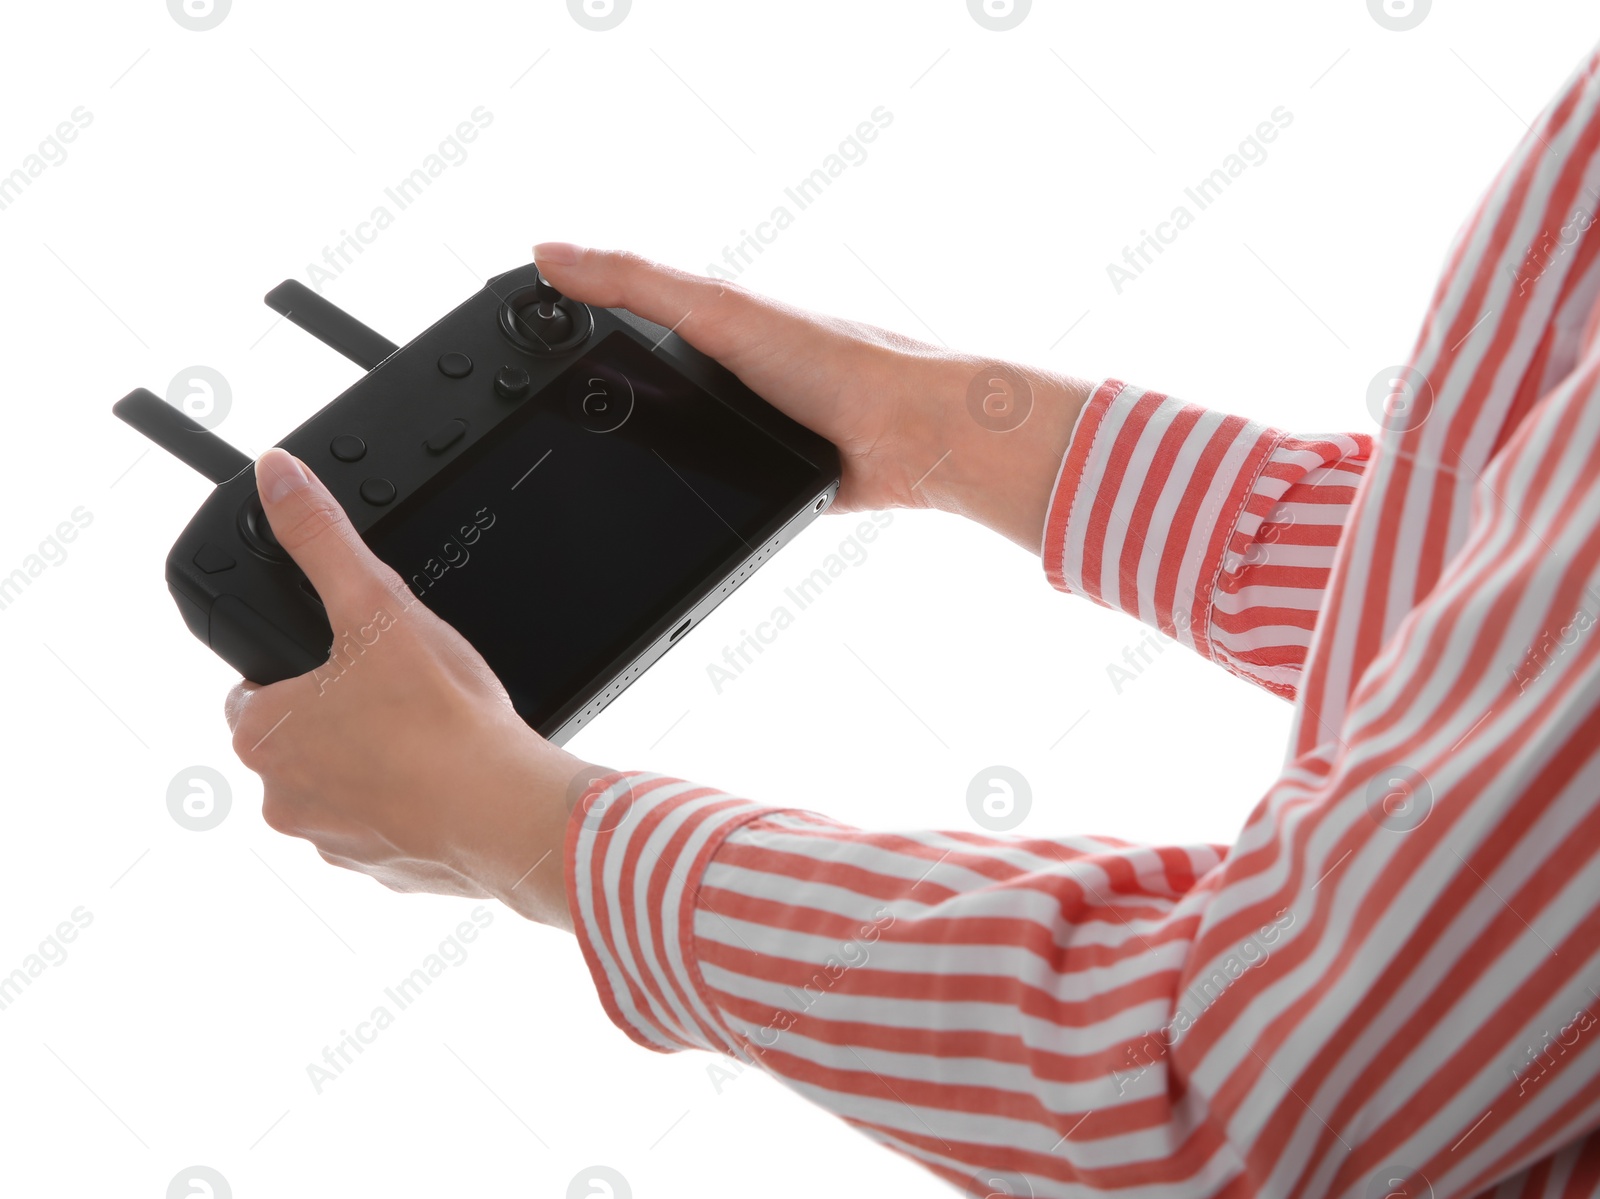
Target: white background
point(1017, 166)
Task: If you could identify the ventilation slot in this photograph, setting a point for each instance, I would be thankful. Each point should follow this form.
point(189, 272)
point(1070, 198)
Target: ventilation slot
point(744, 571)
point(613, 690)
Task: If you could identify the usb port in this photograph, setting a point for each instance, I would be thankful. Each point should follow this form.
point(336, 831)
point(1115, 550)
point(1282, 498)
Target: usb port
point(680, 630)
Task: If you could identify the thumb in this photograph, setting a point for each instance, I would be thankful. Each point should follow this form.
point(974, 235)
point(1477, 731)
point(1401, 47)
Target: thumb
point(705, 312)
point(314, 530)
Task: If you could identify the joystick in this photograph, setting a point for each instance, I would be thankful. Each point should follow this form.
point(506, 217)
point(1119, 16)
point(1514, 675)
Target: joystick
point(543, 321)
point(257, 530)
point(570, 487)
point(539, 319)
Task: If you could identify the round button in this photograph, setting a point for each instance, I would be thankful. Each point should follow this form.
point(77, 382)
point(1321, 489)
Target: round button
point(377, 491)
point(455, 366)
point(513, 383)
point(347, 447)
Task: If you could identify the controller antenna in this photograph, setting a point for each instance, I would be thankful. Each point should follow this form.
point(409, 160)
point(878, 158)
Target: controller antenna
point(185, 438)
point(330, 324)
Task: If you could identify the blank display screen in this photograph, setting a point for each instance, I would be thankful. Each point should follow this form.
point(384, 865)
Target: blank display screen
point(606, 500)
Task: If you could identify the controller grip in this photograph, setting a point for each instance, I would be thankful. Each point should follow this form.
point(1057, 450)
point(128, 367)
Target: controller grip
point(279, 632)
point(254, 646)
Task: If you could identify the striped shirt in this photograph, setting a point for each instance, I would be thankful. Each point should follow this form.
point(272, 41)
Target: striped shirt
point(1389, 984)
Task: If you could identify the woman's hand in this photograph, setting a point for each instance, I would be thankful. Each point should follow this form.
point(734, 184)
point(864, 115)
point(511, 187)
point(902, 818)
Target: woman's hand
point(402, 757)
point(916, 425)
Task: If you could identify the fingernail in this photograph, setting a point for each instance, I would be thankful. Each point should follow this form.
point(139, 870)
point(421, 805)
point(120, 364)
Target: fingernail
point(557, 253)
point(278, 473)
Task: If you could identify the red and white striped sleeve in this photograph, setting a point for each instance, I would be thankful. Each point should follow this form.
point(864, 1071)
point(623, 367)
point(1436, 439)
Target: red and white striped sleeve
point(1389, 978)
point(1214, 529)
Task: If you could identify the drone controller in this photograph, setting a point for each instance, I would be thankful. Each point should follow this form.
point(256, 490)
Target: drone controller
point(570, 487)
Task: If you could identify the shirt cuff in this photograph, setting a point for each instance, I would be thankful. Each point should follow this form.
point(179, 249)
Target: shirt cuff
point(637, 846)
point(1149, 506)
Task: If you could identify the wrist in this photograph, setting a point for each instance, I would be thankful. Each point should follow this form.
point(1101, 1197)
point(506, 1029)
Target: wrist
point(517, 855)
point(995, 442)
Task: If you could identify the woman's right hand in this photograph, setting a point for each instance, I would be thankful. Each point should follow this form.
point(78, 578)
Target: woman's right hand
point(896, 408)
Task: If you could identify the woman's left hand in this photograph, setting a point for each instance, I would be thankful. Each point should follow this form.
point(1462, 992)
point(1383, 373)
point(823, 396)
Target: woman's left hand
point(402, 757)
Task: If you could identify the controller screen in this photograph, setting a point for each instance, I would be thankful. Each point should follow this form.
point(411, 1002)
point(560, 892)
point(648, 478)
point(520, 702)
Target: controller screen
point(608, 498)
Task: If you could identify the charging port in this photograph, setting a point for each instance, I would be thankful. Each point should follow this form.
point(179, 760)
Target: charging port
point(680, 630)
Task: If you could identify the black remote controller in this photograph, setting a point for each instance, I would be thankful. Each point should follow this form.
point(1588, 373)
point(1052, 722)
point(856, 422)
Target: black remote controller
point(570, 487)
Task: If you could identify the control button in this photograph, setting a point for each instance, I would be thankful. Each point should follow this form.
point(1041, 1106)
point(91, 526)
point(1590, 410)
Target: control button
point(445, 436)
point(213, 559)
point(455, 366)
point(257, 530)
point(347, 447)
point(377, 491)
point(513, 383)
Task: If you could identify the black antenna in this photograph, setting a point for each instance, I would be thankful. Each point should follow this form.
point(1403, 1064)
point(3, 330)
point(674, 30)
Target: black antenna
point(181, 435)
point(330, 324)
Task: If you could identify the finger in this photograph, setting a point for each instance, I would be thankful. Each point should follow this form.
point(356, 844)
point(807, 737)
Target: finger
point(314, 530)
point(708, 314)
point(233, 707)
point(334, 859)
